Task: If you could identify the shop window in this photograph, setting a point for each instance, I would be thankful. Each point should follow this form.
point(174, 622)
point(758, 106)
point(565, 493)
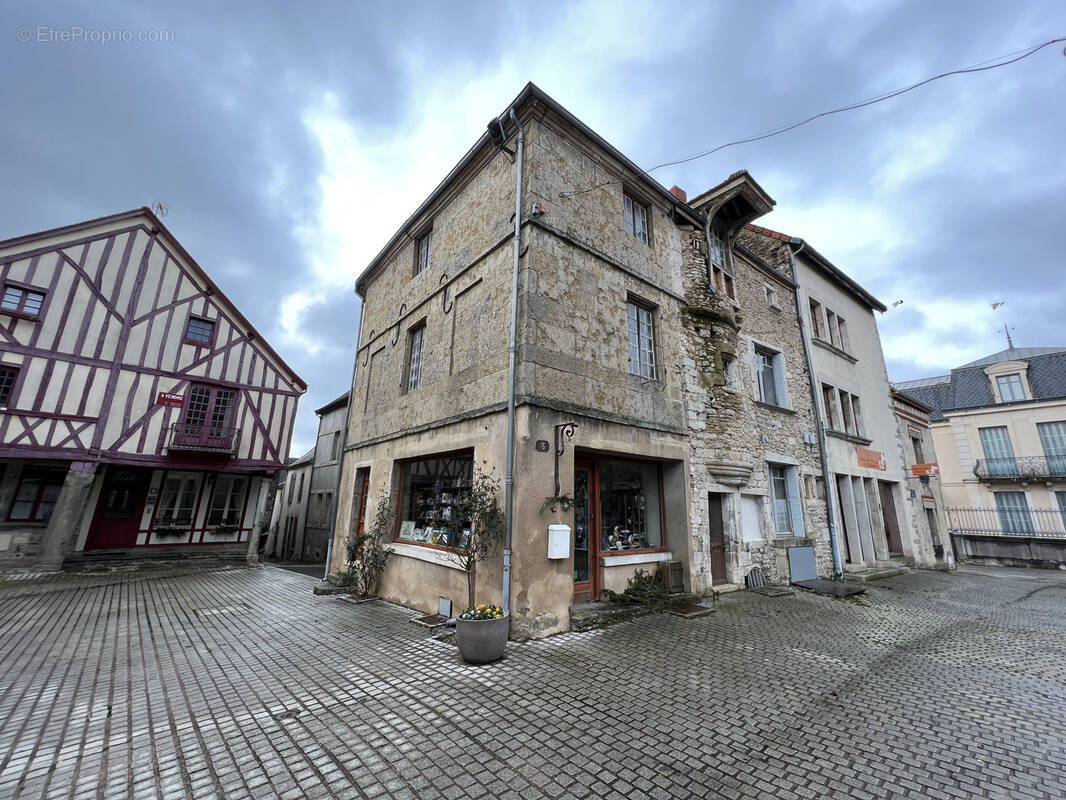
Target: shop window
point(770, 376)
point(22, 301)
point(423, 252)
point(630, 505)
point(227, 502)
point(641, 327)
point(785, 499)
point(432, 492)
point(37, 493)
point(637, 219)
point(177, 502)
point(8, 376)
point(415, 340)
point(199, 331)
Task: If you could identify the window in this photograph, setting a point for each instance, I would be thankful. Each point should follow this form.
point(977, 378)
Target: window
point(335, 447)
point(630, 505)
point(770, 374)
point(1013, 511)
point(1053, 440)
point(934, 529)
point(292, 488)
point(1010, 388)
point(998, 452)
point(37, 493)
point(22, 301)
point(832, 407)
point(208, 407)
point(856, 415)
point(771, 297)
point(845, 412)
point(721, 270)
point(8, 376)
point(423, 252)
point(1060, 497)
point(817, 327)
point(199, 332)
point(729, 371)
point(785, 500)
point(227, 502)
point(415, 339)
point(641, 326)
point(432, 492)
point(916, 444)
point(177, 501)
point(842, 334)
point(636, 219)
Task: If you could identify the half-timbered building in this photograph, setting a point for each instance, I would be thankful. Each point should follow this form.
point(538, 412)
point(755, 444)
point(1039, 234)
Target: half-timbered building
point(140, 411)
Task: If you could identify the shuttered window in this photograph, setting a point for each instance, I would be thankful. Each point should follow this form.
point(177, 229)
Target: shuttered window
point(1053, 440)
point(1013, 510)
point(998, 451)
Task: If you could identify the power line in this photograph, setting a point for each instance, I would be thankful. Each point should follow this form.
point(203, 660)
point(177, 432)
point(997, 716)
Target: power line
point(983, 66)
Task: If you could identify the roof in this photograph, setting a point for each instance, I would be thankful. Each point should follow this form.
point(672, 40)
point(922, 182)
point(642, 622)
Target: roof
point(968, 386)
point(906, 398)
point(825, 265)
point(306, 458)
point(332, 404)
point(157, 223)
point(530, 95)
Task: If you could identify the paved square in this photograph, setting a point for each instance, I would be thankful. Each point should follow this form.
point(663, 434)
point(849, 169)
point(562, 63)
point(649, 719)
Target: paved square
point(237, 682)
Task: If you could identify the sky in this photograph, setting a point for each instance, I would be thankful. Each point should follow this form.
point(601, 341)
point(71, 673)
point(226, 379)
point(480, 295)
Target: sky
point(289, 141)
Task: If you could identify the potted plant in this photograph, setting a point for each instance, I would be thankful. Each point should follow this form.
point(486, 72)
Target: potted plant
point(480, 631)
point(365, 554)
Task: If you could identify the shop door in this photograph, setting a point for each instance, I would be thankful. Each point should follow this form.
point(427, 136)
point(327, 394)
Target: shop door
point(586, 535)
point(888, 512)
point(715, 506)
point(118, 512)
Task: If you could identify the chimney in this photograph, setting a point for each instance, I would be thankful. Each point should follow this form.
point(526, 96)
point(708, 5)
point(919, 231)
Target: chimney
point(679, 193)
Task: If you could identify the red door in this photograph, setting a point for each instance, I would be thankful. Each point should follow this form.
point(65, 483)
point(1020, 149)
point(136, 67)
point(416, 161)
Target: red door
point(118, 513)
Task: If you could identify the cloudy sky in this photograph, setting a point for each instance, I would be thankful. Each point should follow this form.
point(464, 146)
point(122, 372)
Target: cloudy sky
point(289, 142)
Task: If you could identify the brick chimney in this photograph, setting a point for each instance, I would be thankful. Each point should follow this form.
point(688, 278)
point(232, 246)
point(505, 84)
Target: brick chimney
point(679, 193)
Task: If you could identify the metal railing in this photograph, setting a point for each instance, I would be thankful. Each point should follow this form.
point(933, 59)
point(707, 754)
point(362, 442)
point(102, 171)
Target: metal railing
point(1021, 468)
point(1044, 523)
point(214, 438)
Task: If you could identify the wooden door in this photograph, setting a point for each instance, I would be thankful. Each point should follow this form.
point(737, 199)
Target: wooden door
point(888, 513)
point(715, 506)
point(118, 512)
point(586, 534)
point(362, 487)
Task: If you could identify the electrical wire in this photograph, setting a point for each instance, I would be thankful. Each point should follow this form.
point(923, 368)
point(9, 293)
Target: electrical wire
point(983, 66)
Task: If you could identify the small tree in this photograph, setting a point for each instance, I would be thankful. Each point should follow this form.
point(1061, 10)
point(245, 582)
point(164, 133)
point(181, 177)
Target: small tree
point(365, 553)
point(480, 509)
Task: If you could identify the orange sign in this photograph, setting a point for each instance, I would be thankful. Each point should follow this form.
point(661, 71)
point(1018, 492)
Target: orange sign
point(873, 459)
point(925, 470)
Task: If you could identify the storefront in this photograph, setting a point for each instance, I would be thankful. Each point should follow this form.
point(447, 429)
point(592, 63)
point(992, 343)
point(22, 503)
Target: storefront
point(432, 491)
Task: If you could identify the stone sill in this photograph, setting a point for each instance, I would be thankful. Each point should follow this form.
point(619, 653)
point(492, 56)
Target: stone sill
point(847, 437)
point(635, 558)
point(772, 407)
point(784, 542)
point(430, 555)
point(832, 348)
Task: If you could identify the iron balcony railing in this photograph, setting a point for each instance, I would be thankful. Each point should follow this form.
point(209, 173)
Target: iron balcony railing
point(1021, 468)
point(212, 438)
point(1043, 523)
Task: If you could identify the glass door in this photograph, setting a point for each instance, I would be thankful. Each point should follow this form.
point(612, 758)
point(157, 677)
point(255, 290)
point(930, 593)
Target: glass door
point(586, 538)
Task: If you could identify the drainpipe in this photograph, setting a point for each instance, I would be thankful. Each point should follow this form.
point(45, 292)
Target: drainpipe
point(344, 444)
point(508, 502)
point(834, 543)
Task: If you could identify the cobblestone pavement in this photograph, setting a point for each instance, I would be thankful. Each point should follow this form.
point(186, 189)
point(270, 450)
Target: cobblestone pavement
point(237, 682)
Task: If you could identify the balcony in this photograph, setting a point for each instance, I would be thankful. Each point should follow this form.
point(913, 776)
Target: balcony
point(1040, 523)
point(203, 438)
point(1023, 468)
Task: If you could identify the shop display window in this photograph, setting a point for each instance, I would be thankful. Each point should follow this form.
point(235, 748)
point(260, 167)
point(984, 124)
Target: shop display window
point(431, 499)
point(630, 507)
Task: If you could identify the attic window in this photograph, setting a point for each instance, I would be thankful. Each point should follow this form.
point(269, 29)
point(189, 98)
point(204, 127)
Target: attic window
point(200, 332)
point(22, 301)
point(721, 271)
point(1011, 388)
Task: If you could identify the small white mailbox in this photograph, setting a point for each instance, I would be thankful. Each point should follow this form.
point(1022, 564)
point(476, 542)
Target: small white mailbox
point(558, 541)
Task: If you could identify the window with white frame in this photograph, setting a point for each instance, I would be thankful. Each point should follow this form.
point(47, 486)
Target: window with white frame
point(770, 377)
point(1053, 440)
point(1011, 387)
point(785, 500)
point(177, 501)
point(415, 341)
point(640, 323)
point(636, 214)
point(721, 269)
point(227, 501)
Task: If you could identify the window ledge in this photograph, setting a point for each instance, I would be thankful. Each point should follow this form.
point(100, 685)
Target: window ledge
point(788, 540)
point(432, 555)
point(623, 558)
point(772, 407)
point(847, 437)
point(21, 315)
point(832, 348)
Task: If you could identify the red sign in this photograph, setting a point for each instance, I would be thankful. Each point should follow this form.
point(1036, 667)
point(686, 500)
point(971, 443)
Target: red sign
point(925, 470)
point(873, 459)
point(170, 399)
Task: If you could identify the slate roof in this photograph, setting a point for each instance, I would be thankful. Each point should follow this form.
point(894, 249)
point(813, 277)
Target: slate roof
point(968, 386)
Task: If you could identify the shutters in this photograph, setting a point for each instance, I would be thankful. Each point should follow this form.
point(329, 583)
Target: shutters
point(1014, 515)
point(795, 508)
point(1053, 440)
point(998, 451)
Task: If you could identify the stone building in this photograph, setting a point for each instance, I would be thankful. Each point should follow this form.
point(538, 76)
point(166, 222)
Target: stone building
point(325, 472)
point(289, 516)
point(923, 497)
point(619, 341)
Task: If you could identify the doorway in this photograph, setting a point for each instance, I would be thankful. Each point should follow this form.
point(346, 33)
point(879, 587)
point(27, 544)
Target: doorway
point(716, 517)
point(888, 514)
point(586, 540)
point(118, 512)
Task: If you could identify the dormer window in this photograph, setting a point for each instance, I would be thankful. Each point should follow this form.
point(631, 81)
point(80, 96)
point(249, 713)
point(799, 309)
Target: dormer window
point(1011, 387)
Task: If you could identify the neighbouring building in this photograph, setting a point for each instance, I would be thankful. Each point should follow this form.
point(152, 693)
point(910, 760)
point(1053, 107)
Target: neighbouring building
point(634, 369)
point(140, 411)
point(325, 472)
point(863, 448)
point(999, 428)
point(288, 521)
point(923, 496)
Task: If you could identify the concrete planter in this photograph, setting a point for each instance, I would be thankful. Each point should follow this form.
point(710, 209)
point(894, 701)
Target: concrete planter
point(482, 641)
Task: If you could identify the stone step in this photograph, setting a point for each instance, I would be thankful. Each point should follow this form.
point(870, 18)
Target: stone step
point(876, 574)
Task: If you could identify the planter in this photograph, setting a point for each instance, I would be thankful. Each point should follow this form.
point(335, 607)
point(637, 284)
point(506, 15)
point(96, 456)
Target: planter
point(482, 641)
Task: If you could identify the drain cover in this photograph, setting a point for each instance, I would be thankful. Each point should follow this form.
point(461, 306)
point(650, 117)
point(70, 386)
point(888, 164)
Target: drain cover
point(288, 713)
